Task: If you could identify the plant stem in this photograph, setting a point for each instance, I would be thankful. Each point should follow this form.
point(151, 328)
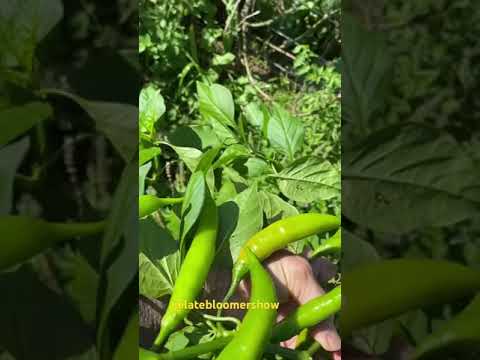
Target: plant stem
point(194, 351)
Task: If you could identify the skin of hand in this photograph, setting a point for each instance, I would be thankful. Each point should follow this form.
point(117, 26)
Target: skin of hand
point(297, 282)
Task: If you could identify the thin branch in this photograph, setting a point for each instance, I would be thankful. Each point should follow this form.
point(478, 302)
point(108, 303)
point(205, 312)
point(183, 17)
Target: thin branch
point(247, 6)
point(277, 48)
point(249, 17)
point(230, 17)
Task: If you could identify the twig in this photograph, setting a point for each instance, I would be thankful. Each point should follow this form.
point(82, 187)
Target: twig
point(261, 23)
point(230, 17)
point(276, 48)
point(249, 17)
point(252, 81)
point(244, 13)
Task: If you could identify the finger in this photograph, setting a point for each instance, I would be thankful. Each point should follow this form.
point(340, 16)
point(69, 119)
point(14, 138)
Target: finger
point(337, 355)
point(278, 266)
point(290, 343)
point(326, 334)
point(305, 288)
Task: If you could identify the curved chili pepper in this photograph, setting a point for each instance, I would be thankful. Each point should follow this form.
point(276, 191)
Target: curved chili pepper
point(462, 333)
point(194, 271)
point(24, 237)
point(382, 290)
point(309, 314)
point(277, 236)
point(148, 204)
point(254, 333)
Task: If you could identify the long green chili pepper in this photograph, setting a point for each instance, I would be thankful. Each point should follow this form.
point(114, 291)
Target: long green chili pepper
point(332, 245)
point(460, 334)
point(148, 204)
point(382, 290)
point(277, 236)
point(23, 236)
point(194, 271)
point(253, 335)
point(322, 308)
point(308, 315)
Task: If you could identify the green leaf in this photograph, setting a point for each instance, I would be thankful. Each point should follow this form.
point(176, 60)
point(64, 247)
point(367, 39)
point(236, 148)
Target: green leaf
point(250, 219)
point(121, 232)
point(119, 122)
point(308, 180)
point(189, 155)
point(225, 59)
point(23, 24)
point(142, 175)
point(81, 283)
point(216, 104)
point(356, 251)
point(365, 66)
point(145, 155)
point(255, 115)
point(152, 107)
point(257, 167)
point(274, 206)
point(407, 177)
point(18, 120)
point(159, 260)
point(232, 153)
point(193, 201)
point(285, 132)
point(11, 156)
point(205, 163)
point(31, 19)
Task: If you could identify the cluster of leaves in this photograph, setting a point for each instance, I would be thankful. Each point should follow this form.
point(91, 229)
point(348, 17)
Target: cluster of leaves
point(267, 138)
point(409, 141)
point(65, 157)
point(256, 167)
point(427, 69)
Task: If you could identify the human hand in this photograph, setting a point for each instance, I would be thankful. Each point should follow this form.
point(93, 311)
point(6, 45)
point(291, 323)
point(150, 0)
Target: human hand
point(297, 282)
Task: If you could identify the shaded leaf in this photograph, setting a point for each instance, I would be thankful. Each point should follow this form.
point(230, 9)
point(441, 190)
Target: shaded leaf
point(18, 120)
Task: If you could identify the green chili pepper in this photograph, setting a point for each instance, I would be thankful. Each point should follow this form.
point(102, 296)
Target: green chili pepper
point(277, 236)
point(194, 271)
point(382, 290)
point(308, 315)
point(332, 245)
point(253, 335)
point(460, 334)
point(148, 204)
point(24, 237)
point(127, 347)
